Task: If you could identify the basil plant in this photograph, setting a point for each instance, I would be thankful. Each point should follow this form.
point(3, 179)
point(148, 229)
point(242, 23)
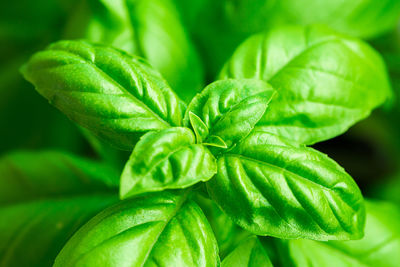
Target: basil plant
point(221, 176)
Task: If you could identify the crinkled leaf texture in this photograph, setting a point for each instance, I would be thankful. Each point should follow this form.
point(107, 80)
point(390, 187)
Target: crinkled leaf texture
point(116, 96)
point(150, 29)
point(229, 109)
point(379, 247)
point(168, 159)
point(326, 82)
point(250, 253)
point(44, 198)
point(162, 229)
point(270, 187)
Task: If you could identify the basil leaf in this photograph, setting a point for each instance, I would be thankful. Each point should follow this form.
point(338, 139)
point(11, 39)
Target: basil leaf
point(229, 109)
point(359, 18)
point(44, 198)
point(28, 176)
point(150, 29)
point(165, 229)
point(116, 96)
point(249, 253)
point(379, 247)
point(272, 188)
point(168, 159)
point(102, 21)
point(228, 234)
point(326, 82)
point(199, 127)
point(163, 40)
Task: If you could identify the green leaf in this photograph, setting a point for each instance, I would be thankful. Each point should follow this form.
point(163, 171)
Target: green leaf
point(249, 253)
point(164, 42)
point(228, 234)
point(359, 18)
point(326, 82)
point(229, 109)
point(202, 133)
point(165, 229)
point(379, 247)
point(44, 198)
point(270, 187)
point(150, 29)
point(116, 96)
point(102, 21)
point(199, 127)
point(27, 176)
point(215, 141)
point(168, 159)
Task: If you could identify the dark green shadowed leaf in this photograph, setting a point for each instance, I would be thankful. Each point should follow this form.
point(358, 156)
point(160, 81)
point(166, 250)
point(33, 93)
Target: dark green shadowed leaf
point(228, 234)
point(44, 198)
point(116, 96)
point(358, 18)
point(249, 253)
point(270, 187)
point(379, 247)
point(149, 29)
point(168, 159)
point(326, 82)
point(229, 109)
point(164, 229)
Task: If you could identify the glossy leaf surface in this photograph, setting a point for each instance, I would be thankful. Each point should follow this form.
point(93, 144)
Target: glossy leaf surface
point(168, 159)
point(249, 253)
point(229, 109)
point(379, 247)
point(116, 96)
point(270, 187)
point(165, 229)
point(326, 82)
point(45, 197)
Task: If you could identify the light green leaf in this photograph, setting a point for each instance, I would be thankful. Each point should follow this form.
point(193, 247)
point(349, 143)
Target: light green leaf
point(326, 82)
point(168, 159)
point(270, 187)
point(165, 229)
point(229, 109)
point(250, 253)
point(379, 247)
point(116, 96)
point(199, 127)
point(150, 29)
point(215, 141)
point(44, 198)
